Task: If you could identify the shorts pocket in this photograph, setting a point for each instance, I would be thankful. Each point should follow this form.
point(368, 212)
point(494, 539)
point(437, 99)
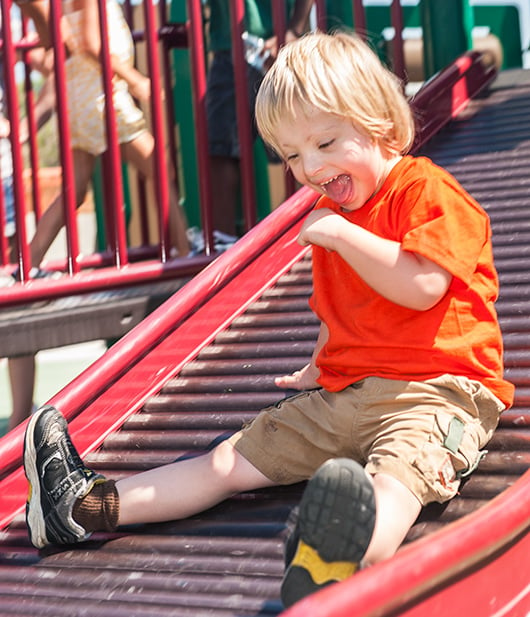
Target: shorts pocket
point(290, 399)
point(450, 453)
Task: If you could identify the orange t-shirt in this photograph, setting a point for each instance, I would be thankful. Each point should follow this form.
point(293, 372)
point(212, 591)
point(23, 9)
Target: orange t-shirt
point(424, 208)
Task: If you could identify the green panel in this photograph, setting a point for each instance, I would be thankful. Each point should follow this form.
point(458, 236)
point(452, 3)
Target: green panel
point(378, 18)
point(439, 19)
point(339, 14)
point(503, 22)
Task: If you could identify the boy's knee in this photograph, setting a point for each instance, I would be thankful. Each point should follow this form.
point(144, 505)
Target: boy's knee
point(234, 470)
point(396, 510)
point(223, 458)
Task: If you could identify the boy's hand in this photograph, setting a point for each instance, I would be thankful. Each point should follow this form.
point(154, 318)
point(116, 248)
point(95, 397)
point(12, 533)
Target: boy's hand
point(304, 379)
point(321, 227)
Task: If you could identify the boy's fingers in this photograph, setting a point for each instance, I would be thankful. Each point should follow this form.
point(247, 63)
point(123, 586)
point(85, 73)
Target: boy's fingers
point(286, 381)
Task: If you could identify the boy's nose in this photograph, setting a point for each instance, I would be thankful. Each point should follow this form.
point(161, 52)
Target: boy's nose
point(312, 164)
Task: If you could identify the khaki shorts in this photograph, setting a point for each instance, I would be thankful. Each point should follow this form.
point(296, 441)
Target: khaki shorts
point(426, 434)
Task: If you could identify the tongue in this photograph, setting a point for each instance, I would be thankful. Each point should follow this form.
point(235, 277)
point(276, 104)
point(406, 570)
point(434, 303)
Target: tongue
point(339, 190)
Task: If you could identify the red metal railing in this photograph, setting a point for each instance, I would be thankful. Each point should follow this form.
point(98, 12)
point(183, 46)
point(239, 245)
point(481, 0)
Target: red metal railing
point(121, 264)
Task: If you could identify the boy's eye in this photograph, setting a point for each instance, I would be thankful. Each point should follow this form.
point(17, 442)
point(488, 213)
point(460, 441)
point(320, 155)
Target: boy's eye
point(326, 144)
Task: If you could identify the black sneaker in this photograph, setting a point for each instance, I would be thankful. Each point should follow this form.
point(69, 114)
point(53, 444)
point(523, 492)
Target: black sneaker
point(335, 525)
point(57, 478)
point(37, 273)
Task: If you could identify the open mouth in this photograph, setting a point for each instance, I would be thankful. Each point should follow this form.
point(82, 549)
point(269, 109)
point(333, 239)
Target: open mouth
point(339, 188)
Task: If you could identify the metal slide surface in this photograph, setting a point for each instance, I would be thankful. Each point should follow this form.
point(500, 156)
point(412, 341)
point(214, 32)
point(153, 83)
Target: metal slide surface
point(208, 366)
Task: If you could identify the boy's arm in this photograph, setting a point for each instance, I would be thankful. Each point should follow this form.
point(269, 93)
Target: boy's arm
point(306, 377)
point(402, 277)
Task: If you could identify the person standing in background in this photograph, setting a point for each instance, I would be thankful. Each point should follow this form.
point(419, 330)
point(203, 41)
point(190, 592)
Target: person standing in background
point(221, 99)
point(21, 369)
point(80, 29)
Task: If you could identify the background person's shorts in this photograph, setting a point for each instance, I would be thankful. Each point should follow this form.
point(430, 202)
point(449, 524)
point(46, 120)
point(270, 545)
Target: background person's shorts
point(426, 434)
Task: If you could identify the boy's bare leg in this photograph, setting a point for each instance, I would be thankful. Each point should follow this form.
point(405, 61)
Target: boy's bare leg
point(186, 487)
point(346, 519)
point(396, 510)
point(68, 501)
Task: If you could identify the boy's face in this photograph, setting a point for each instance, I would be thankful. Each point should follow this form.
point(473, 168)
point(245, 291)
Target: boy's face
point(326, 153)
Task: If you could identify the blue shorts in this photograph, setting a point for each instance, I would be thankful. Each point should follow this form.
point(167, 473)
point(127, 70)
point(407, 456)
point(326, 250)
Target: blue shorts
point(9, 207)
point(221, 106)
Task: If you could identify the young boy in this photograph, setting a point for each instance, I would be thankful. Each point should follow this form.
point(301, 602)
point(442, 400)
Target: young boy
point(406, 377)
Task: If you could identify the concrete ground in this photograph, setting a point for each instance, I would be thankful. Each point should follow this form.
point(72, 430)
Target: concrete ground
point(56, 367)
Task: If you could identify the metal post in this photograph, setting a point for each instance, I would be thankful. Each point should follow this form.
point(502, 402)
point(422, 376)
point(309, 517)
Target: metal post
point(23, 253)
point(198, 82)
point(112, 154)
point(244, 131)
point(438, 20)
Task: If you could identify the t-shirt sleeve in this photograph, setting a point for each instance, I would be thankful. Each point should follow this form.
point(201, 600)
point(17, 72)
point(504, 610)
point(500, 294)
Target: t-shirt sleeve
point(446, 225)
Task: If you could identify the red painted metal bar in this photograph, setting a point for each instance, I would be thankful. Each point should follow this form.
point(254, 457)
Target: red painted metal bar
point(23, 256)
point(280, 26)
point(68, 178)
point(321, 14)
point(145, 233)
point(279, 22)
point(461, 80)
point(168, 84)
point(278, 13)
point(162, 183)
point(142, 271)
point(359, 18)
point(398, 65)
point(32, 130)
point(112, 157)
point(197, 52)
point(244, 124)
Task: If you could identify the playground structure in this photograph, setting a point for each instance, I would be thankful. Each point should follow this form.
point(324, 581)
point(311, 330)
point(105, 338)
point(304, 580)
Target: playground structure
point(203, 363)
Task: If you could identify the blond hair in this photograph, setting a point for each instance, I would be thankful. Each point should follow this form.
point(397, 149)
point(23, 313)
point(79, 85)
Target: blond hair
point(338, 74)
